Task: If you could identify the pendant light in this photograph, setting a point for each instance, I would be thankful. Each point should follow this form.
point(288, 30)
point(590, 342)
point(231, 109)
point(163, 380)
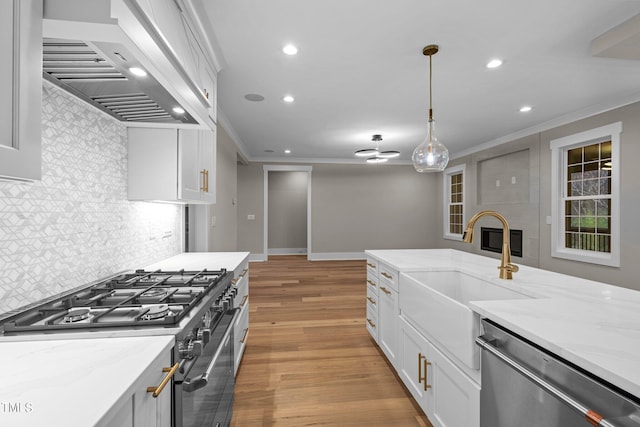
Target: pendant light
point(431, 155)
point(374, 155)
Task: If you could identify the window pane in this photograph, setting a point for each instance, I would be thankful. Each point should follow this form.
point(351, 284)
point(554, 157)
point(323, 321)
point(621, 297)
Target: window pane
point(605, 150)
point(575, 172)
point(591, 187)
point(605, 186)
point(575, 156)
point(591, 152)
point(574, 188)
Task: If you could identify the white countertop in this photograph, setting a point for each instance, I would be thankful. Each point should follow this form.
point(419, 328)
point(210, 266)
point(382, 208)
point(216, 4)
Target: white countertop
point(71, 382)
point(200, 260)
point(592, 324)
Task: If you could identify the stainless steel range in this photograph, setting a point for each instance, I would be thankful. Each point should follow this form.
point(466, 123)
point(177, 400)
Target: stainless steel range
point(196, 307)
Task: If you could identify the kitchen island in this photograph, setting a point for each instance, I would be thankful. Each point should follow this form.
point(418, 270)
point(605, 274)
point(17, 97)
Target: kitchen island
point(593, 325)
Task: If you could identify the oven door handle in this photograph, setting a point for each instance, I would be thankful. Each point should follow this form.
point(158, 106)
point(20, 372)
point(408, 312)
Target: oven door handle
point(189, 385)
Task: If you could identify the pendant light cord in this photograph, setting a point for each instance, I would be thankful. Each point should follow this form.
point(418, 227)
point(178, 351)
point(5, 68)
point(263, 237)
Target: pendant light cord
point(430, 90)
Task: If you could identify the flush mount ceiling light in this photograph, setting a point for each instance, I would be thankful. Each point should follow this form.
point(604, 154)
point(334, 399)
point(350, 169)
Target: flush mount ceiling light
point(431, 155)
point(374, 154)
point(526, 109)
point(288, 98)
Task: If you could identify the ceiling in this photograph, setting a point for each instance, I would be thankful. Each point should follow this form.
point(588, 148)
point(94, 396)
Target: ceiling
point(360, 71)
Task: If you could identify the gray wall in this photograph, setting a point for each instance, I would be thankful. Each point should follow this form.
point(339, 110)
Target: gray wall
point(353, 208)
point(224, 236)
point(287, 211)
point(532, 216)
point(627, 274)
point(518, 202)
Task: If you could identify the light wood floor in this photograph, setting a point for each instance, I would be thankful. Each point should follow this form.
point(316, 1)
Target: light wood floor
point(309, 359)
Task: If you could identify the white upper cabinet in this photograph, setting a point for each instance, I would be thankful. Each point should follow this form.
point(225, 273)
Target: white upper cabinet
point(20, 89)
point(172, 165)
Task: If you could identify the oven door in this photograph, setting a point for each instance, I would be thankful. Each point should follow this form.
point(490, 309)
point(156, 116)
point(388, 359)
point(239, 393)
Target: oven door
point(205, 397)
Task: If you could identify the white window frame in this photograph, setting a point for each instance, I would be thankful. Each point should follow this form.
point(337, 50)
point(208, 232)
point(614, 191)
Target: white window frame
point(447, 197)
point(559, 149)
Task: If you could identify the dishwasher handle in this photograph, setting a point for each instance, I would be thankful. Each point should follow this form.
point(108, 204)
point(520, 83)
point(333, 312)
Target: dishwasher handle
point(590, 415)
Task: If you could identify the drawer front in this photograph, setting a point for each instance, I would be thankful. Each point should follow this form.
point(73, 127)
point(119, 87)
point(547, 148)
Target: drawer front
point(372, 284)
point(388, 277)
point(372, 301)
point(372, 323)
point(372, 267)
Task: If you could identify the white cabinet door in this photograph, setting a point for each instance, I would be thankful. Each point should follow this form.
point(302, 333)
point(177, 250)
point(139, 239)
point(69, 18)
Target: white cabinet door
point(149, 411)
point(207, 165)
point(413, 367)
point(20, 89)
point(191, 175)
point(388, 323)
point(172, 165)
point(448, 397)
point(241, 329)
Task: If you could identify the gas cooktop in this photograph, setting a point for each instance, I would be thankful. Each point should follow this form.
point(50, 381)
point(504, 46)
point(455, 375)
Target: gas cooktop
point(132, 300)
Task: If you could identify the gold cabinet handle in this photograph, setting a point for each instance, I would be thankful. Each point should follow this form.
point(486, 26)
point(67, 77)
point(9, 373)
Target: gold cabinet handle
point(206, 185)
point(234, 280)
point(244, 272)
point(423, 364)
point(244, 337)
point(157, 390)
point(388, 276)
point(371, 265)
point(203, 185)
point(371, 282)
point(371, 300)
point(383, 289)
point(244, 300)
point(373, 325)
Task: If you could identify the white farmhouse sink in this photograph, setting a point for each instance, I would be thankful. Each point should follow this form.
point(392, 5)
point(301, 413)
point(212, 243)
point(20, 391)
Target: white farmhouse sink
point(436, 303)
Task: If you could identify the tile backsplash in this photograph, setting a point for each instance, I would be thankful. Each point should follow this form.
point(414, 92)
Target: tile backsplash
point(76, 224)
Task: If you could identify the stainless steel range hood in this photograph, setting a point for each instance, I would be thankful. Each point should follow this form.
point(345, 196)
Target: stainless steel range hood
point(99, 73)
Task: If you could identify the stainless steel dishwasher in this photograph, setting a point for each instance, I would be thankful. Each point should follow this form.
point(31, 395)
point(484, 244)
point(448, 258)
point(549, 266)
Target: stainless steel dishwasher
point(524, 385)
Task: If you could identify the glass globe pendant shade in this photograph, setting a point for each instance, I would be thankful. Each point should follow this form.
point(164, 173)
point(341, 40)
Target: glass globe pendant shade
point(431, 155)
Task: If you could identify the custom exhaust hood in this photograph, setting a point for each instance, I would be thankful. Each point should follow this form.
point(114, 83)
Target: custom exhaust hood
point(138, 60)
point(100, 74)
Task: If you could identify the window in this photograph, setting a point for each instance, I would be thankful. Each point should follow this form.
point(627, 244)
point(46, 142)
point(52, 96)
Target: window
point(454, 202)
point(585, 190)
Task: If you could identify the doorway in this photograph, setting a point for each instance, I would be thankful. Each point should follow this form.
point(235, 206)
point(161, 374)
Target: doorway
point(287, 210)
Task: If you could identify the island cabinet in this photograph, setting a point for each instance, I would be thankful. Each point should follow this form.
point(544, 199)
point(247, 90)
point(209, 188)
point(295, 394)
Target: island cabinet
point(382, 307)
point(138, 407)
point(241, 328)
point(447, 395)
point(20, 89)
point(172, 165)
point(388, 312)
point(372, 298)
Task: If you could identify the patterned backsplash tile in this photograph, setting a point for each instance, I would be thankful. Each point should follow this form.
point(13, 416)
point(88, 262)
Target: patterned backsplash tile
point(76, 224)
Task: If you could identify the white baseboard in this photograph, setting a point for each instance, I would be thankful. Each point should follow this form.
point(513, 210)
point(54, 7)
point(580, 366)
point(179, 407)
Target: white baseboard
point(287, 251)
point(257, 257)
point(336, 256)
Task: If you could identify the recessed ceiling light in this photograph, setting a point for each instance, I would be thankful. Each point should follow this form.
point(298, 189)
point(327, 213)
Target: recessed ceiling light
point(376, 160)
point(178, 110)
point(287, 151)
point(494, 63)
point(290, 49)
point(138, 71)
point(526, 109)
point(288, 98)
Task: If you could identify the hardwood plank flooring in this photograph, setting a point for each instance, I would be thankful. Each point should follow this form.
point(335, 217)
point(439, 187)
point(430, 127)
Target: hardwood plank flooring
point(309, 359)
